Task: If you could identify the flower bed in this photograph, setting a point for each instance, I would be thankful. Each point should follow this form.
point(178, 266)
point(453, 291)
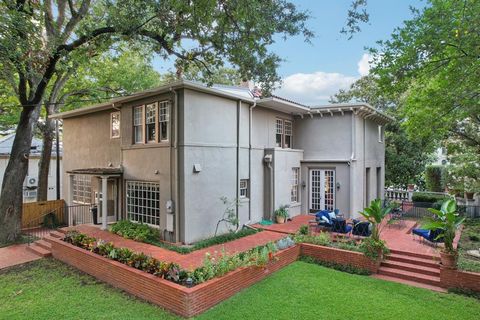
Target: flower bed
point(339, 256)
point(172, 296)
point(213, 266)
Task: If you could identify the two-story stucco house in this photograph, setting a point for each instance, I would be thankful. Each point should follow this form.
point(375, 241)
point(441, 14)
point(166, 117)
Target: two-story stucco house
point(165, 157)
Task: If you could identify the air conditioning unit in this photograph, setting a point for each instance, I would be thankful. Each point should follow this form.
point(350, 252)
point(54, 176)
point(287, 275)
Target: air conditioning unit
point(32, 182)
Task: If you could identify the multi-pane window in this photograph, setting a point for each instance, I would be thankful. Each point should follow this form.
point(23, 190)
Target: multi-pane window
point(279, 133)
point(115, 125)
point(82, 189)
point(163, 119)
point(143, 202)
point(283, 133)
point(287, 128)
point(294, 185)
point(150, 121)
point(244, 188)
point(138, 124)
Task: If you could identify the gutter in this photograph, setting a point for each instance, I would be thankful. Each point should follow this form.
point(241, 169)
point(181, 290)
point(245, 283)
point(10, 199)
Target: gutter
point(175, 171)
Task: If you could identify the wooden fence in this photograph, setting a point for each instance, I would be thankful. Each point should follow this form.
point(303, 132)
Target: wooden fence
point(33, 211)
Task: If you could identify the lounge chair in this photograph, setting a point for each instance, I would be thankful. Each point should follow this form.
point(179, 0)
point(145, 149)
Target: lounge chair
point(340, 225)
point(429, 235)
point(361, 228)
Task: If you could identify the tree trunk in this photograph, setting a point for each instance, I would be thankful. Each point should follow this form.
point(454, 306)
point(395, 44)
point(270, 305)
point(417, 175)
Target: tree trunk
point(11, 196)
point(44, 164)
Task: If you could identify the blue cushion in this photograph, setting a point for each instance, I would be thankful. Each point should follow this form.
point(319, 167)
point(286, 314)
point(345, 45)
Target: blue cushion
point(421, 232)
point(348, 229)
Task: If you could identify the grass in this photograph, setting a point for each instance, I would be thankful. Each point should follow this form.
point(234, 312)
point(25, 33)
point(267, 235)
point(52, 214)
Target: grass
point(48, 289)
point(470, 240)
point(307, 291)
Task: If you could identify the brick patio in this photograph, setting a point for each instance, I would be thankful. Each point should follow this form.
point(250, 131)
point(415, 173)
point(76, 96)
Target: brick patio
point(16, 254)
point(187, 261)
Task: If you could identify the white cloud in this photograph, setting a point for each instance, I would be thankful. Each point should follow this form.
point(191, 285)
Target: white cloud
point(364, 64)
point(317, 87)
point(313, 88)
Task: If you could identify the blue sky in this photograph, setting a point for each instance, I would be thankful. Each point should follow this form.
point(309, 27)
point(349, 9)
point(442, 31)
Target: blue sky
point(313, 72)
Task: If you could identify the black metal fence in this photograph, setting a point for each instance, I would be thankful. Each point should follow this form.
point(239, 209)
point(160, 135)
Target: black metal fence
point(419, 210)
point(80, 214)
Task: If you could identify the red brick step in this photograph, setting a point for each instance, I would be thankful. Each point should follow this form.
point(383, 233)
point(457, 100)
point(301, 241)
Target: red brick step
point(38, 250)
point(430, 271)
point(44, 244)
point(410, 283)
point(410, 276)
point(432, 263)
point(414, 254)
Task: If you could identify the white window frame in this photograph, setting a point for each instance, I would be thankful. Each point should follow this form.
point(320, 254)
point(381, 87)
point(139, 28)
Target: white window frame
point(112, 115)
point(138, 123)
point(284, 128)
point(279, 131)
point(380, 134)
point(294, 186)
point(143, 202)
point(243, 188)
point(287, 133)
point(163, 120)
point(82, 189)
point(151, 119)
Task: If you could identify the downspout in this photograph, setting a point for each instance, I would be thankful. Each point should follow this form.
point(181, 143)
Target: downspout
point(272, 205)
point(250, 134)
point(237, 205)
point(175, 171)
point(352, 159)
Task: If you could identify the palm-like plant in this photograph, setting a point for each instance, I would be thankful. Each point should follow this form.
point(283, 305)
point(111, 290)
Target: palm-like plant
point(448, 220)
point(375, 214)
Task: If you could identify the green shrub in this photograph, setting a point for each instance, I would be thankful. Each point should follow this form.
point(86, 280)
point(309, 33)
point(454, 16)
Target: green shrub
point(465, 292)
point(428, 197)
point(303, 230)
point(372, 248)
point(135, 231)
point(340, 267)
point(321, 239)
point(435, 178)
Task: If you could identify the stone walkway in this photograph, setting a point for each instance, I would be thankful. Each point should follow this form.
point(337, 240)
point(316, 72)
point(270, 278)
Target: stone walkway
point(187, 261)
point(16, 254)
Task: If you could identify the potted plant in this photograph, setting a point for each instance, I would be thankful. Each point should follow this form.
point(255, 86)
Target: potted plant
point(375, 214)
point(448, 220)
point(281, 214)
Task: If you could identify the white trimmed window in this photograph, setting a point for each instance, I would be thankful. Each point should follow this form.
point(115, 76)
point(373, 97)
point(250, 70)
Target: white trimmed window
point(163, 120)
point(143, 202)
point(283, 133)
point(138, 124)
point(115, 125)
point(380, 133)
point(294, 191)
point(244, 188)
point(287, 140)
point(150, 122)
point(279, 133)
point(82, 189)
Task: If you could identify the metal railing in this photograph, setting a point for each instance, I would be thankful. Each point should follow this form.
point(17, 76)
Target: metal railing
point(419, 210)
point(80, 214)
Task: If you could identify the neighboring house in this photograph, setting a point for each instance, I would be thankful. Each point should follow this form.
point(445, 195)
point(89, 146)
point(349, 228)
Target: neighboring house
point(165, 157)
point(441, 156)
point(30, 185)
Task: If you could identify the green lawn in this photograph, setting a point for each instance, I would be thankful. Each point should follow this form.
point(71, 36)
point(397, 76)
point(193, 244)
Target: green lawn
point(47, 289)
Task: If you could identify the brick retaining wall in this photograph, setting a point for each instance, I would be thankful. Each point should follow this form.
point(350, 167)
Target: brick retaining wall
point(178, 299)
point(454, 278)
point(339, 256)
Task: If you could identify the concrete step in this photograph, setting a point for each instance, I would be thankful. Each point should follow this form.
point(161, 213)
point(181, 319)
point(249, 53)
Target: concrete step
point(429, 271)
point(410, 283)
point(36, 249)
point(415, 254)
point(429, 262)
point(44, 244)
point(410, 276)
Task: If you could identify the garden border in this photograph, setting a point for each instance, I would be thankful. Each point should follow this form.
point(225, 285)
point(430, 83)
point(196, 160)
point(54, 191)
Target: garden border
point(188, 302)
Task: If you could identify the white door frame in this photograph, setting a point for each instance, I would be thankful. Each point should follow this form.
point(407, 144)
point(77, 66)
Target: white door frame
point(113, 189)
point(319, 179)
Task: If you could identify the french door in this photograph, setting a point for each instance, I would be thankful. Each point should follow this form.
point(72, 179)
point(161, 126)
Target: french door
point(322, 190)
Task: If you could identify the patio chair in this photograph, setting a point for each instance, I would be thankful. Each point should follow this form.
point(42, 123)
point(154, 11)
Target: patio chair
point(323, 219)
point(361, 228)
point(341, 226)
point(429, 235)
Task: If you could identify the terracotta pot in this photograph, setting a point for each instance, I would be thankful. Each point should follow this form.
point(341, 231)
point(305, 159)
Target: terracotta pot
point(469, 195)
point(448, 260)
point(280, 219)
